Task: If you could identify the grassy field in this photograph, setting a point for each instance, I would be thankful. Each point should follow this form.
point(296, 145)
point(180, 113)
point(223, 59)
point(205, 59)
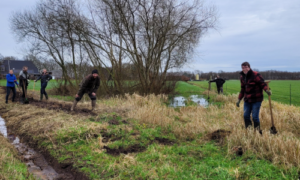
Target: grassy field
point(37, 85)
point(140, 138)
point(280, 89)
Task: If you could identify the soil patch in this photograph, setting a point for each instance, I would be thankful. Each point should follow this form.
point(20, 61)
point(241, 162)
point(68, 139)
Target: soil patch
point(218, 135)
point(50, 105)
point(131, 149)
point(113, 122)
point(238, 151)
point(164, 141)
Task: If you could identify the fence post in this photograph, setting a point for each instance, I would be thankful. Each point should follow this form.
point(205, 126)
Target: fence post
point(290, 94)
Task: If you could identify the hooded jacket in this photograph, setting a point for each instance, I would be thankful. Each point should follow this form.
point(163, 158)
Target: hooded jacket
point(89, 85)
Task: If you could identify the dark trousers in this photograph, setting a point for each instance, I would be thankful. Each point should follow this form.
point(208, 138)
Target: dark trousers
point(220, 89)
point(23, 91)
point(90, 95)
point(43, 88)
point(251, 108)
point(8, 92)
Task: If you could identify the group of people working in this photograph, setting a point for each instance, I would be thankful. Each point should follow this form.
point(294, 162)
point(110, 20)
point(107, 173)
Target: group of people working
point(252, 86)
point(24, 79)
point(89, 85)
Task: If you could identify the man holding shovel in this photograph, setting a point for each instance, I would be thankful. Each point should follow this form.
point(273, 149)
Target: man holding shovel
point(10, 85)
point(45, 78)
point(252, 86)
point(219, 81)
point(24, 81)
point(89, 85)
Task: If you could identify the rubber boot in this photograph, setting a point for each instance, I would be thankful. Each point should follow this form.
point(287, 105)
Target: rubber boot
point(41, 97)
point(46, 97)
point(257, 127)
point(93, 105)
point(248, 124)
point(74, 105)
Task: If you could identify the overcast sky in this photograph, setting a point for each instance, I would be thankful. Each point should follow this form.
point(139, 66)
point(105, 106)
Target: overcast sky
point(263, 32)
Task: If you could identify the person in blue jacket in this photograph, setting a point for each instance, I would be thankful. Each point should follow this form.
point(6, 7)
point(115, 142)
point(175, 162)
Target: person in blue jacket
point(10, 85)
point(44, 77)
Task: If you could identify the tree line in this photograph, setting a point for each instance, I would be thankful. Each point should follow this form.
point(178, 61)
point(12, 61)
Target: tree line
point(268, 74)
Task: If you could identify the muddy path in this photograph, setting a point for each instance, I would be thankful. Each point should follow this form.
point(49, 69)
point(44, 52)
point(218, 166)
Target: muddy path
point(39, 161)
point(49, 104)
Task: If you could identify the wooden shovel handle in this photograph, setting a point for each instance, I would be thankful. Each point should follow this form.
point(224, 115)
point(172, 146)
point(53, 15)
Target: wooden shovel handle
point(270, 104)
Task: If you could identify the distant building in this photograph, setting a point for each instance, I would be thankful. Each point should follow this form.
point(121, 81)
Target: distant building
point(17, 66)
point(56, 74)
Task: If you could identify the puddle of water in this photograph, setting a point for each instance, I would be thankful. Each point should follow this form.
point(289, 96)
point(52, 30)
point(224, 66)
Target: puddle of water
point(180, 101)
point(36, 163)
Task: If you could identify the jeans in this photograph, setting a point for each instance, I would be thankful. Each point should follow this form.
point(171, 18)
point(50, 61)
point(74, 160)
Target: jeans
point(43, 88)
point(251, 108)
point(8, 92)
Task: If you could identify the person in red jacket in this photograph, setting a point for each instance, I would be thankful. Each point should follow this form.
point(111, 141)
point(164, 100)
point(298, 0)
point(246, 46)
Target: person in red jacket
point(252, 86)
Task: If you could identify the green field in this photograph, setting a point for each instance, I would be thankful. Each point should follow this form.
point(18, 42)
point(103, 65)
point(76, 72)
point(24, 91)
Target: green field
point(37, 86)
point(280, 89)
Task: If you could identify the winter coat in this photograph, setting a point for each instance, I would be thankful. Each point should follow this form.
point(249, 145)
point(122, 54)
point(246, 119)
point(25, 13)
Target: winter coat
point(89, 85)
point(252, 86)
point(219, 82)
point(23, 77)
point(44, 78)
point(11, 80)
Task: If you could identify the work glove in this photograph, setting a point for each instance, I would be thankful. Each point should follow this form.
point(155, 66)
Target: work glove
point(269, 92)
point(238, 103)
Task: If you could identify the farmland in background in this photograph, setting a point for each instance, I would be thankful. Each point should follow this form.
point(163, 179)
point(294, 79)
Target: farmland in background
point(280, 89)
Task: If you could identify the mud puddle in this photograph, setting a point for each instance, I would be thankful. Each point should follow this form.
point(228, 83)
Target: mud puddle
point(36, 163)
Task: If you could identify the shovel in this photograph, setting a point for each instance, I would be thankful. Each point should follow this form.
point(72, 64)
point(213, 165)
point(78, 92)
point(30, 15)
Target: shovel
point(208, 90)
point(33, 89)
point(273, 129)
point(26, 100)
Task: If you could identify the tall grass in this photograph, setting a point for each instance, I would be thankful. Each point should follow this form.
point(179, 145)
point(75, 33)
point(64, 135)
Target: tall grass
point(189, 123)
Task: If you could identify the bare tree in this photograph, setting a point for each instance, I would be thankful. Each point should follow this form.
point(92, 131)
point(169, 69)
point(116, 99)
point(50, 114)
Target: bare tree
point(153, 35)
point(49, 26)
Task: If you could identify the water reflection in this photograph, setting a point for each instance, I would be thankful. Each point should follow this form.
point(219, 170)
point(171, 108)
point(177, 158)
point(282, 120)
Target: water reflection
point(180, 101)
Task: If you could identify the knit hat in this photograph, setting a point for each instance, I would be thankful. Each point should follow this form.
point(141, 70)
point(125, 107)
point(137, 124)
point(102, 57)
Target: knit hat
point(95, 71)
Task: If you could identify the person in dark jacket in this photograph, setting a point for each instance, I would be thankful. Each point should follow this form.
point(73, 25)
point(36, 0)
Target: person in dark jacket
point(45, 77)
point(10, 85)
point(24, 81)
point(219, 81)
point(89, 85)
point(252, 86)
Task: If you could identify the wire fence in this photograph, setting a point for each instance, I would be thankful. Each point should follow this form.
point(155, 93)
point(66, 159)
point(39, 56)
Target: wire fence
point(285, 93)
